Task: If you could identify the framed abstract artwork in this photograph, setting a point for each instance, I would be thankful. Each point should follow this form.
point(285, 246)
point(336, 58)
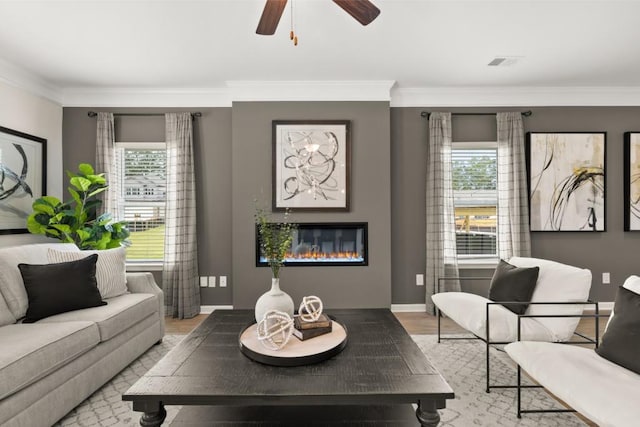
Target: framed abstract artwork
point(566, 180)
point(311, 164)
point(632, 181)
point(23, 160)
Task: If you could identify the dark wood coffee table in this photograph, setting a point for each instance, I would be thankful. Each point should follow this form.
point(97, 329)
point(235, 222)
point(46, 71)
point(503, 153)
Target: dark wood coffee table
point(379, 374)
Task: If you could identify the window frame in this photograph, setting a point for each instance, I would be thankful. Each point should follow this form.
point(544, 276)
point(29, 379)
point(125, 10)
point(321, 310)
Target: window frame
point(477, 261)
point(143, 265)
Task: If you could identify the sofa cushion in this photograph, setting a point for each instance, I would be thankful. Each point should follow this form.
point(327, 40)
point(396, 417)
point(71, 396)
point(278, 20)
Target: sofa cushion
point(119, 314)
point(61, 287)
point(600, 390)
point(110, 269)
point(557, 282)
point(11, 284)
point(6, 316)
point(32, 351)
point(469, 311)
point(621, 342)
point(511, 283)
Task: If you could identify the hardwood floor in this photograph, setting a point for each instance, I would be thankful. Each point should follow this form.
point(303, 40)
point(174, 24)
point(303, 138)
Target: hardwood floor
point(414, 322)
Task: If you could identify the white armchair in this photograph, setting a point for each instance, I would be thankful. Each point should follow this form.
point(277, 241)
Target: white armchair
point(560, 290)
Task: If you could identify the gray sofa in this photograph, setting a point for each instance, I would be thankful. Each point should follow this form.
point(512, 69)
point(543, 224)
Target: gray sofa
point(47, 368)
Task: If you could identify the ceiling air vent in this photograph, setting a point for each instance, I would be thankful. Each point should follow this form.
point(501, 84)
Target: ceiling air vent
point(504, 61)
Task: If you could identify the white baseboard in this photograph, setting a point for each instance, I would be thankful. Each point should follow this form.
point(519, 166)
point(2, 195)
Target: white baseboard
point(208, 309)
point(403, 308)
point(604, 306)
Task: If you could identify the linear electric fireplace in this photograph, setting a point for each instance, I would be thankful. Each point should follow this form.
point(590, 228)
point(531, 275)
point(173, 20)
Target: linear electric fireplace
point(324, 244)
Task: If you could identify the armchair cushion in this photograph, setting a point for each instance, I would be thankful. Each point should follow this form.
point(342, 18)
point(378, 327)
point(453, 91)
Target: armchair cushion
point(561, 283)
point(511, 283)
point(469, 311)
point(600, 390)
point(621, 341)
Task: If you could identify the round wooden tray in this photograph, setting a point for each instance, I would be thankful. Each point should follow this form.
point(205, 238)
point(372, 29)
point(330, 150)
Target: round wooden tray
point(296, 352)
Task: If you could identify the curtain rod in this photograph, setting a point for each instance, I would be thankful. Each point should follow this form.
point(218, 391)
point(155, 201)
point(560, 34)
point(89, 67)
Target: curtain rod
point(94, 114)
point(427, 114)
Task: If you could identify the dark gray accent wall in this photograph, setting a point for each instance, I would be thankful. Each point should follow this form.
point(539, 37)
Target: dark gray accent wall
point(338, 287)
point(212, 148)
point(612, 251)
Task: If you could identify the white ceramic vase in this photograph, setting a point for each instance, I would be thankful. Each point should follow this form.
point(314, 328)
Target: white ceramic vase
point(274, 299)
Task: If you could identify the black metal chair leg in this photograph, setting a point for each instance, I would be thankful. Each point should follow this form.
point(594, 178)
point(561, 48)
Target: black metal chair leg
point(438, 315)
point(519, 393)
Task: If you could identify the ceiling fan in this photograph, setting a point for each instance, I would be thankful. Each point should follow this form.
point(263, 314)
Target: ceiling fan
point(362, 10)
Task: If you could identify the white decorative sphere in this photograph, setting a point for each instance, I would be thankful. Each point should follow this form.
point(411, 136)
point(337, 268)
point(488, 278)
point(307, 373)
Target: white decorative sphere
point(310, 308)
point(274, 330)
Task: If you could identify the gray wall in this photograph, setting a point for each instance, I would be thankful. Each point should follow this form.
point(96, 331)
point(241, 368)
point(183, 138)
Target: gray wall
point(612, 251)
point(212, 147)
point(233, 148)
point(338, 287)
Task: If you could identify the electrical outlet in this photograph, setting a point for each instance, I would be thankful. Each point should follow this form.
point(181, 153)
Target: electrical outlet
point(606, 278)
point(223, 281)
point(419, 279)
point(212, 281)
point(203, 281)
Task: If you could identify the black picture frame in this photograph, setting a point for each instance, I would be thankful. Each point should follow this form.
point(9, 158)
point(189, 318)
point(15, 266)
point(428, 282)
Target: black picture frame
point(632, 181)
point(311, 165)
point(572, 195)
point(23, 178)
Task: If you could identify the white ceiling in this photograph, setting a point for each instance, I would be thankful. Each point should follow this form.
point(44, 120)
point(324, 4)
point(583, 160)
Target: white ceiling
point(192, 45)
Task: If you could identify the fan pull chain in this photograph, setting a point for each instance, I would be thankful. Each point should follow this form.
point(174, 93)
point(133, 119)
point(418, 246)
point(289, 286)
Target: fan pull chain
point(292, 34)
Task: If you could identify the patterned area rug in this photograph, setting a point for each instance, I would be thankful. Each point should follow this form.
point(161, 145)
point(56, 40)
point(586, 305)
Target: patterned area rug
point(460, 362)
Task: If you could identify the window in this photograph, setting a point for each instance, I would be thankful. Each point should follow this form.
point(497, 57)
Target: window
point(143, 177)
point(475, 175)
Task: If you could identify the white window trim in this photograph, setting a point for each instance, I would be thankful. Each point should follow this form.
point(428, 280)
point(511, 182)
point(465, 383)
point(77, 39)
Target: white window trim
point(144, 266)
point(147, 145)
point(470, 261)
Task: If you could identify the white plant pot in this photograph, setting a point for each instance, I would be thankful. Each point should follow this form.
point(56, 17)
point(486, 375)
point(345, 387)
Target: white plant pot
point(274, 299)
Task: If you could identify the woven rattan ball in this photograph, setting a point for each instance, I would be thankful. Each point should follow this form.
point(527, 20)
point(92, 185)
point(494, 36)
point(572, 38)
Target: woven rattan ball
point(274, 330)
point(310, 308)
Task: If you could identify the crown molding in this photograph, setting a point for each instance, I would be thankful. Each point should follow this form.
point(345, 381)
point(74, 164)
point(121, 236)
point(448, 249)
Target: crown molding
point(365, 90)
point(146, 97)
point(26, 80)
point(515, 96)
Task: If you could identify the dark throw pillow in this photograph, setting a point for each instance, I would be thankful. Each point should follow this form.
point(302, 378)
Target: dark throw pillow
point(511, 283)
point(621, 342)
point(58, 288)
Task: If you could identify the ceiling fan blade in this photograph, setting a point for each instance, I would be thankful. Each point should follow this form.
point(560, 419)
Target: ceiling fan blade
point(270, 17)
point(362, 10)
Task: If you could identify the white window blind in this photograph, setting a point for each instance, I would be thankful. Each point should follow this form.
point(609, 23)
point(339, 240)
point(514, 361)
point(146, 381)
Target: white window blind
point(143, 172)
point(475, 199)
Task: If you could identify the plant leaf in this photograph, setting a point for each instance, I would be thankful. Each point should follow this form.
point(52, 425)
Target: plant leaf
point(80, 183)
point(86, 169)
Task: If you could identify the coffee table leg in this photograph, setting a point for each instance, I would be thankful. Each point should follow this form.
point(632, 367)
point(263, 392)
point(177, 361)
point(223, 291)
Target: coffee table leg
point(427, 413)
point(153, 416)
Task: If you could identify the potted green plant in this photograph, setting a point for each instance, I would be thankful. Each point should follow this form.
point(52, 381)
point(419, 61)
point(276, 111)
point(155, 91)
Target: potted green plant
point(275, 242)
point(75, 221)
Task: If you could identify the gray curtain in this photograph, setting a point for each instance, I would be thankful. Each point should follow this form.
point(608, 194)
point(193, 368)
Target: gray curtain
point(441, 231)
point(513, 208)
point(180, 272)
point(106, 163)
